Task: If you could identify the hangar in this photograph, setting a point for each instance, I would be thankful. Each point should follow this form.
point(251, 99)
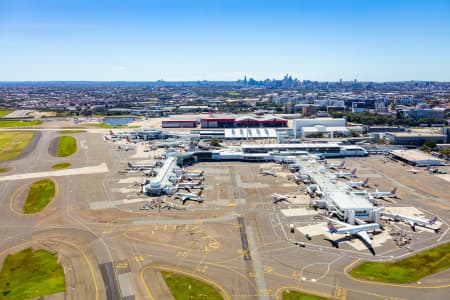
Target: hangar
point(415, 157)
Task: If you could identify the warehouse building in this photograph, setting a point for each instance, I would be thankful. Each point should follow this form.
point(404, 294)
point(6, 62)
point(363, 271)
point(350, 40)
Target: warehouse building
point(325, 122)
point(415, 157)
point(217, 123)
point(179, 124)
point(414, 138)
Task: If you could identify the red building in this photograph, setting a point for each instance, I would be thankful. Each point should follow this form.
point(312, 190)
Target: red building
point(217, 123)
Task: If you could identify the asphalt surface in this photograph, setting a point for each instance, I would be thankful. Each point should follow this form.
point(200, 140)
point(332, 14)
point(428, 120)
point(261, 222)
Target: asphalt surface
point(237, 240)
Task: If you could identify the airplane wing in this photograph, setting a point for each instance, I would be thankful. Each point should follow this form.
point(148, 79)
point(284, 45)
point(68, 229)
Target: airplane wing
point(363, 234)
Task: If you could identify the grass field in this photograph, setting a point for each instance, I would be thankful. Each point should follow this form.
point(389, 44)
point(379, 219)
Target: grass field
point(2, 170)
point(4, 112)
point(408, 270)
point(69, 131)
point(101, 125)
point(18, 123)
point(67, 145)
point(40, 194)
point(12, 144)
point(187, 288)
point(27, 274)
point(294, 295)
point(61, 166)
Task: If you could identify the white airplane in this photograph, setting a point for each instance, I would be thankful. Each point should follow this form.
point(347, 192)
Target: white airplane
point(193, 175)
point(358, 184)
point(377, 194)
point(341, 174)
point(313, 190)
point(267, 172)
point(358, 230)
point(336, 166)
point(190, 196)
point(278, 198)
point(141, 167)
point(413, 221)
point(190, 184)
point(414, 171)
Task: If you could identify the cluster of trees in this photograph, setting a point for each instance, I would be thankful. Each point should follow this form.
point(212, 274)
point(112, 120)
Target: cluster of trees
point(215, 142)
point(367, 118)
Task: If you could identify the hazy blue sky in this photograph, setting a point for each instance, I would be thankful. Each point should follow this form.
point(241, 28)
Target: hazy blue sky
point(374, 40)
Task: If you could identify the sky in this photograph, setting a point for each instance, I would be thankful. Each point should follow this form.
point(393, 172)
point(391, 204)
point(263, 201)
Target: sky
point(147, 40)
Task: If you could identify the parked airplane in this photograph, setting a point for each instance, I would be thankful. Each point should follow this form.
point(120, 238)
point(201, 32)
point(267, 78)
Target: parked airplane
point(267, 172)
point(278, 198)
point(414, 171)
point(313, 190)
point(193, 175)
point(190, 184)
point(341, 174)
point(358, 230)
point(141, 167)
point(126, 148)
point(413, 221)
point(336, 166)
point(377, 194)
point(190, 196)
point(358, 184)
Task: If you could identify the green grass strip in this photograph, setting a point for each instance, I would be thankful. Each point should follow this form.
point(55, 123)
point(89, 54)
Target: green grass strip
point(40, 194)
point(67, 145)
point(18, 123)
point(4, 112)
point(61, 166)
point(27, 274)
point(69, 131)
point(407, 270)
point(12, 144)
point(187, 288)
point(295, 295)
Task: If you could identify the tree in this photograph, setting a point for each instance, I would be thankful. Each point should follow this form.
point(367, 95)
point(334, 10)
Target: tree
point(215, 142)
point(428, 146)
point(315, 135)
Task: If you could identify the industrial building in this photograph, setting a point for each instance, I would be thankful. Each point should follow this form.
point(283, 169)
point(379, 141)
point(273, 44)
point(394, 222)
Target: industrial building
point(415, 157)
point(179, 124)
point(325, 122)
point(270, 121)
point(414, 138)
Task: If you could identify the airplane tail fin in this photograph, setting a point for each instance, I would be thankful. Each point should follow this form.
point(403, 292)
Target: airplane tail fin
point(202, 172)
point(394, 191)
point(111, 132)
point(366, 181)
point(331, 227)
point(130, 165)
point(432, 221)
point(200, 193)
point(342, 164)
point(353, 172)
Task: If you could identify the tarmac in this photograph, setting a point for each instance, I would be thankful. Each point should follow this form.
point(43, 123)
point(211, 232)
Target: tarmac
point(237, 240)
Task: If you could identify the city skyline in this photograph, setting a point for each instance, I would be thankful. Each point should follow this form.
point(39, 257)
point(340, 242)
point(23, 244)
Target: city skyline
point(224, 40)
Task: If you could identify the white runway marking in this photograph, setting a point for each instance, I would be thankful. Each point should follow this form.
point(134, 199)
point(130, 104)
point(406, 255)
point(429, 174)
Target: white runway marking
point(101, 168)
